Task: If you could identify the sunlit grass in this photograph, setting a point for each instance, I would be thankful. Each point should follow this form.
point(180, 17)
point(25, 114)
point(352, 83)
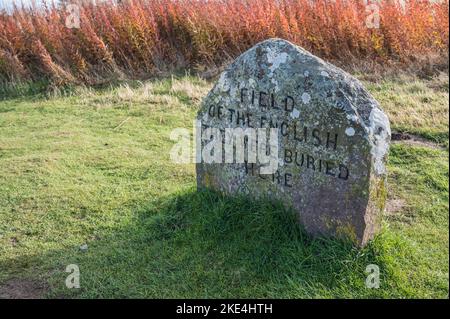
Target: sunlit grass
point(92, 166)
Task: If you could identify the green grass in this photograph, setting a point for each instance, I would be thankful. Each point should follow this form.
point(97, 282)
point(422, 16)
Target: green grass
point(93, 167)
point(416, 106)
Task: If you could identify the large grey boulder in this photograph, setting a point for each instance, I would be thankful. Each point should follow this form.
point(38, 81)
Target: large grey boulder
point(333, 139)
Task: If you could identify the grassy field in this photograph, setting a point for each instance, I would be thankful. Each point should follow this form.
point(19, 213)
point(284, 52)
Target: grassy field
point(92, 167)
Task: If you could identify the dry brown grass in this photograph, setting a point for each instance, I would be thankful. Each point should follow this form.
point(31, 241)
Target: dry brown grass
point(414, 105)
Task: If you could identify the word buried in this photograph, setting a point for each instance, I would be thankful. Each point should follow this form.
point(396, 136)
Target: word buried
point(229, 145)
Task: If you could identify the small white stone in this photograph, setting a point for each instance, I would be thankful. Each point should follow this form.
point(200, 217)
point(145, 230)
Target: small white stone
point(350, 131)
point(84, 247)
point(306, 73)
point(306, 98)
point(295, 113)
point(325, 74)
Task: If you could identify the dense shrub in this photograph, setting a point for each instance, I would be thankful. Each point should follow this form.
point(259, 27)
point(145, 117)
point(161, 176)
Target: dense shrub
point(138, 38)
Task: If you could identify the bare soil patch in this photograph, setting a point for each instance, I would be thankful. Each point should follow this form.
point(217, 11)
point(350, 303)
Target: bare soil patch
point(398, 137)
point(22, 289)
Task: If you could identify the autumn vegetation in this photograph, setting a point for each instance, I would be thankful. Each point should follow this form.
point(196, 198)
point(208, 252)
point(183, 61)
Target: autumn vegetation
point(139, 38)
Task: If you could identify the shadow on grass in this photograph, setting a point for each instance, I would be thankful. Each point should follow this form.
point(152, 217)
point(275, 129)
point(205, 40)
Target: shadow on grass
point(202, 244)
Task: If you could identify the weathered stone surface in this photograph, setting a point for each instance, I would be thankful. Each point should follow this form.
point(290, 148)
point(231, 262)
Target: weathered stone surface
point(333, 138)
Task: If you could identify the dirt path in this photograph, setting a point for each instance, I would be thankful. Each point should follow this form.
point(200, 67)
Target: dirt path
point(22, 289)
point(414, 140)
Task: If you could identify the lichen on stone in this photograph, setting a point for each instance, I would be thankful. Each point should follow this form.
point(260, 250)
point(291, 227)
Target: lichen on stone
point(333, 138)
